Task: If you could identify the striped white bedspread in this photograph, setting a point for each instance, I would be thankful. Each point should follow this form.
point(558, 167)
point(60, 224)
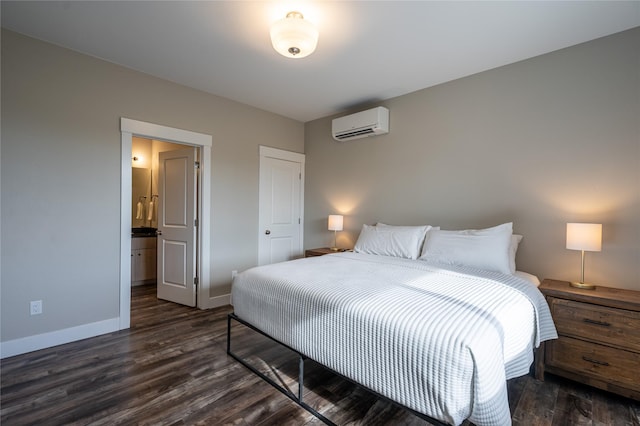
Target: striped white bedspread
point(442, 342)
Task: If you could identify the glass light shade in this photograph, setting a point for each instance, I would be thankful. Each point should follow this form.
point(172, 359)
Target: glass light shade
point(335, 222)
point(293, 36)
point(584, 236)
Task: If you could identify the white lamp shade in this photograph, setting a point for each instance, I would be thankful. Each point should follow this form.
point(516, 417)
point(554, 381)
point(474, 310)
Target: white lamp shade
point(335, 222)
point(584, 236)
point(293, 36)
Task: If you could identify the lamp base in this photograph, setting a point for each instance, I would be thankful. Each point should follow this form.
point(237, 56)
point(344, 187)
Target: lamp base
point(584, 286)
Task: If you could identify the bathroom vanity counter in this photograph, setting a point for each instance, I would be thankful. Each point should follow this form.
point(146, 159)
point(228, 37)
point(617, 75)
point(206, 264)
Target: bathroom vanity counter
point(143, 232)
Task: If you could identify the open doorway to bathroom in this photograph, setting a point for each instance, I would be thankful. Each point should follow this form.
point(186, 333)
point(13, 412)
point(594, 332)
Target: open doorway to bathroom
point(144, 208)
point(199, 145)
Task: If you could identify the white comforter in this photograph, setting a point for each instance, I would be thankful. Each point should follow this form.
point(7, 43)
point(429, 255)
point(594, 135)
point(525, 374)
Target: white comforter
point(442, 342)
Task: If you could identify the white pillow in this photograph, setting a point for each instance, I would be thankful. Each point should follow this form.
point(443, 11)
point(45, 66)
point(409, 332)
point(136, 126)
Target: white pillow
point(429, 228)
point(487, 249)
point(398, 241)
point(415, 227)
point(513, 248)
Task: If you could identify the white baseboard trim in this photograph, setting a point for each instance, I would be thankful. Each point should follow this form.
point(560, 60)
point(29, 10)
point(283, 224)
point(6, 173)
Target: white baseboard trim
point(58, 337)
point(217, 301)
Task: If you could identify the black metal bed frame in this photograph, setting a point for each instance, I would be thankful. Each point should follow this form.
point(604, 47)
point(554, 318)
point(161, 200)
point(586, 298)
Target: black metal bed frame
point(298, 399)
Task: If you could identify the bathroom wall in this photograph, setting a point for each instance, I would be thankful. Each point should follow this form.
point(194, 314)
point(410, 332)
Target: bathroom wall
point(141, 180)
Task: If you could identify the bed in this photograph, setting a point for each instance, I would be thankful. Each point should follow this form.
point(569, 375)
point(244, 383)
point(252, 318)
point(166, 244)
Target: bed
point(438, 338)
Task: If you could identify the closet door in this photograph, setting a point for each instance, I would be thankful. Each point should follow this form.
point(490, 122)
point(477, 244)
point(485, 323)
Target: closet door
point(281, 204)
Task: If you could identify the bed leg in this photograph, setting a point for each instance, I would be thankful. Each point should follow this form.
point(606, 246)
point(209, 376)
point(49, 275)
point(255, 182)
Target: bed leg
point(300, 377)
point(228, 334)
point(539, 362)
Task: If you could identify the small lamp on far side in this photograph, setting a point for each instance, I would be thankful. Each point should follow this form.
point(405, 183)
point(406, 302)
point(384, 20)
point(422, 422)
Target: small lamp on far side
point(335, 225)
point(584, 237)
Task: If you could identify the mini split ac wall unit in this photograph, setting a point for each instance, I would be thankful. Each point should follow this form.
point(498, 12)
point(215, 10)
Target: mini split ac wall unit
point(371, 122)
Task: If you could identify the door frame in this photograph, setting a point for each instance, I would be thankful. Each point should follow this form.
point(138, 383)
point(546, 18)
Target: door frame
point(280, 154)
point(128, 129)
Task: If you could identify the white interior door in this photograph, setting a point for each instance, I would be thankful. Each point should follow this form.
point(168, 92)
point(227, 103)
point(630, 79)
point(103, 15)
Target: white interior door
point(281, 200)
point(177, 174)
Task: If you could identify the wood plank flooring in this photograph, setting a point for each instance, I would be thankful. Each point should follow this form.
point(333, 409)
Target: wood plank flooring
point(171, 368)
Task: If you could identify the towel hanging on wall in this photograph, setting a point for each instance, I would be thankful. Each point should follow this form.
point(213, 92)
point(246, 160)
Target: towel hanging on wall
point(139, 210)
point(150, 211)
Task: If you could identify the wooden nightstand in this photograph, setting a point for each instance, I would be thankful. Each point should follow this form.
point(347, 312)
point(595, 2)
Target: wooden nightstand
point(322, 251)
point(318, 252)
point(599, 337)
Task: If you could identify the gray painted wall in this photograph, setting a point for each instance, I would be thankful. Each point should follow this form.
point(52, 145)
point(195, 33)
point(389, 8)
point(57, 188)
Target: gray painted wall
point(542, 142)
point(61, 178)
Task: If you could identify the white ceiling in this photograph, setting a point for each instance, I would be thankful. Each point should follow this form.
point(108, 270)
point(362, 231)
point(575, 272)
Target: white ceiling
point(367, 51)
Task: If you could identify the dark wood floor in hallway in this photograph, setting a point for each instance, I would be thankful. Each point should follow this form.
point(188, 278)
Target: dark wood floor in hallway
point(171, 368)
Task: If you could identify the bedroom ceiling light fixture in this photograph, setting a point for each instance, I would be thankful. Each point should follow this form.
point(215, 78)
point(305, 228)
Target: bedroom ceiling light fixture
point(335, 224)
point(584, 237)
point(293, 36)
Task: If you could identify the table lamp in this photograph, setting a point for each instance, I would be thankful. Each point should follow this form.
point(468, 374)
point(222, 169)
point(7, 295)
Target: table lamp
point(335, 225)
point(584, 237)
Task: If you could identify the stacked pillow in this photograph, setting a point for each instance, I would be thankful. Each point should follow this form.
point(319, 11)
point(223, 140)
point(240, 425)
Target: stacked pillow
point(488, 249)
point(491, 249)
point(387, 240)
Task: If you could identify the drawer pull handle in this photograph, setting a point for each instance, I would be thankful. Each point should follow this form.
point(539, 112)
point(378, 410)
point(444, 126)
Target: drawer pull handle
point(595, 361)
point(594, 322)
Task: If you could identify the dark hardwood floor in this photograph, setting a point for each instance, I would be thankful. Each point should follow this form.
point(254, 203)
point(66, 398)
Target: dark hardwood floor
point(171, 368)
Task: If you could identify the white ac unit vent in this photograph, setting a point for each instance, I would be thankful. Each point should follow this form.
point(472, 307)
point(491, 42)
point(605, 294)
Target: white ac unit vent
point(371, 122)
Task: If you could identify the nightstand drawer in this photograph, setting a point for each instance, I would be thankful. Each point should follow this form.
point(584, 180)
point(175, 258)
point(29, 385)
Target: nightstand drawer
point(614, 327)
point(597, 361)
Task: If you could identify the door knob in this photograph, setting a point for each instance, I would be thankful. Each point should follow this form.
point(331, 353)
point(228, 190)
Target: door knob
point(267, 232)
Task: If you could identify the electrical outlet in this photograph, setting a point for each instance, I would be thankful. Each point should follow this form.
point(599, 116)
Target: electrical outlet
point(36, 307)
point(233, 274)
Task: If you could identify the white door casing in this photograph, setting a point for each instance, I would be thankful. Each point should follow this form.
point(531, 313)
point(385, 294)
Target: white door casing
point(128, 129)
point(281, 205)
point(177, 213)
